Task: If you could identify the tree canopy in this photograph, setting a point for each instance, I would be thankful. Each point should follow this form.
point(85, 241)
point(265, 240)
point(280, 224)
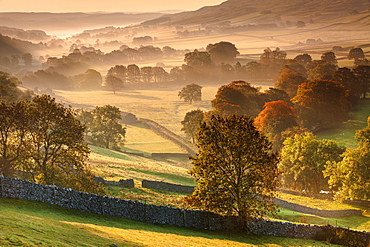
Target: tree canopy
point(321, 104)
point(43, 139)
point(235, 170)
point(191, 122)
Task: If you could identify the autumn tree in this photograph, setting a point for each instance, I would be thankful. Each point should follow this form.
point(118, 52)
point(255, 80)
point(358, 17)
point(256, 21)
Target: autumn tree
point(276, 117)
point(106, 131)
point(289, 80)
point(222, 52)
point(350, 177)
point(191, 122)
point(237, 97)
point(235, 170)
point(321, 104)
point(27, 59)
point(303, 160)
point(191, 93)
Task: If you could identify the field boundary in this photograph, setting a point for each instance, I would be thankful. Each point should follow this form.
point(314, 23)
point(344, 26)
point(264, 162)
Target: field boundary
point(169, 135)
point(65, 197)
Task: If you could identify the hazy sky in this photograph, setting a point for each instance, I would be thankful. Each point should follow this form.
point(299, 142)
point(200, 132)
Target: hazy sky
point(102, 5)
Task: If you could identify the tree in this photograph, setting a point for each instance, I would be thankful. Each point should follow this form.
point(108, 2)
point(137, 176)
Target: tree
point(9, 91)
point(300, 24)
point(14, 121)
point(133, 73)
point(159, 74)
point(350, 178)
point(289, 80)
point(191, 93)
point(114, 82)
point(191, 123)
point(329, 57)
point(106, 130)
point(92, 80)
point(222, 52)
point(276, 117)
point(27, 59)
point(235, 170)
point(303, 59)
point(362, 73)
point(237, 97)
point(321, 104)
point(147, 73)
point(350, 82)
point(356, 54)
point(321, 71)
point(54, 148)
point(118, 71)
point(272, 61)
point(303, 160)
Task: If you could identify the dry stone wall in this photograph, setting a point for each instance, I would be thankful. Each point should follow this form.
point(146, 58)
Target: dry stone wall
point(167, 186)
point(16, 188)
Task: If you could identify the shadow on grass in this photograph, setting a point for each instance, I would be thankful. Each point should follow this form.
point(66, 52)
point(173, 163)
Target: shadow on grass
point(99, 225)
point(172, 177)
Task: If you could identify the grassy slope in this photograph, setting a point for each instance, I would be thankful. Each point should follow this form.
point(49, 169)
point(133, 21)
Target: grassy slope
point(26, 223)
point(345, 132)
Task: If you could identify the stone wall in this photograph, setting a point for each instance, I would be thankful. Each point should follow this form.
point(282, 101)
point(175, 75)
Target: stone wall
point(174, 155)
point(124, 183)
point(315, 211)
point(168, 186)
point(16, 188)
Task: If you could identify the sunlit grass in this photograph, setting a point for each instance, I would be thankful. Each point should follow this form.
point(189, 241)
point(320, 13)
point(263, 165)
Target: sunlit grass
point(28, 223)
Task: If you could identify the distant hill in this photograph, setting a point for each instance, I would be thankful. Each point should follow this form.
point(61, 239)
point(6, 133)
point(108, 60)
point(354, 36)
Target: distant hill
point(51, 22)
point(10, 46)
point(265, 11)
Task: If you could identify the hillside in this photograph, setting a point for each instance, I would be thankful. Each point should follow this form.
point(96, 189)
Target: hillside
point(52, 22)
point(9, 46)
point(266, 11)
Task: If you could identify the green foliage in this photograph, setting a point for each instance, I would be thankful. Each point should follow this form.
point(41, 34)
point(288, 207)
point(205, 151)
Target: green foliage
point(235, 170)
point(105, 129)
point(350, 178)
point(191, 93)
point(303, 160)
point(43, 139)
point(191, 122)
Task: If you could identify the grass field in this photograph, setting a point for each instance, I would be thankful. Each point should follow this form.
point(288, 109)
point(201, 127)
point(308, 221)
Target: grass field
point(27, 223)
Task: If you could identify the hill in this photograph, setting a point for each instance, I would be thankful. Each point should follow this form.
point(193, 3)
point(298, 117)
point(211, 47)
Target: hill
point(244, 12)
point(52, 22)
point(10, 46)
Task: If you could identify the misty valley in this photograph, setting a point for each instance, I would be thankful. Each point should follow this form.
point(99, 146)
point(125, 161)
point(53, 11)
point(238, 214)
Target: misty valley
point(240, 124)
